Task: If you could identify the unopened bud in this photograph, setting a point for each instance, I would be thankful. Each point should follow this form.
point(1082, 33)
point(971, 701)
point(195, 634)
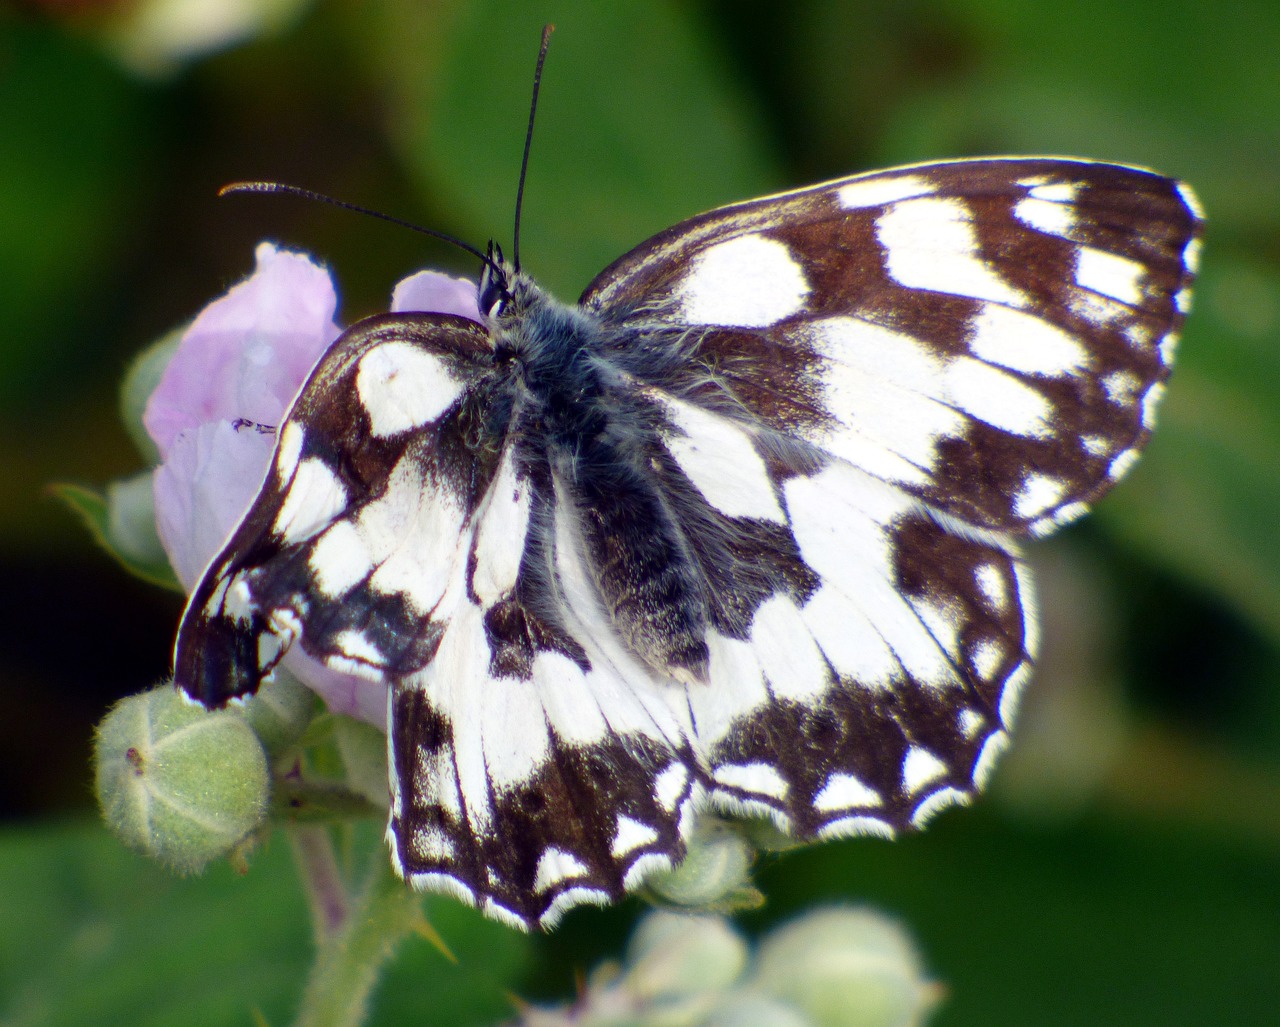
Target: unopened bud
point(179, 782)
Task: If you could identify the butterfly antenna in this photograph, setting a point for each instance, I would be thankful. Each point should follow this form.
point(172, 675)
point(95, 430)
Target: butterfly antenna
point(309, 194)
point(528, 141)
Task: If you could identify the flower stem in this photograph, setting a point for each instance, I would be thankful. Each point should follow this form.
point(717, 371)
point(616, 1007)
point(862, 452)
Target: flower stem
point(321, 877)
point(350, 958)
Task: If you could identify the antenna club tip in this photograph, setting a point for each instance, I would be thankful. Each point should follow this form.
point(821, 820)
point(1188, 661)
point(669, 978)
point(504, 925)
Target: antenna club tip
point(245, 187)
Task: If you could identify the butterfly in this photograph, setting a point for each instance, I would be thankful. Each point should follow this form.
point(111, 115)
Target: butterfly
point(741, 530)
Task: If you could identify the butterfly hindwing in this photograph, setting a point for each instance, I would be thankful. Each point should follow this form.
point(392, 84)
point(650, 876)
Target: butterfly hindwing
point(535, 763)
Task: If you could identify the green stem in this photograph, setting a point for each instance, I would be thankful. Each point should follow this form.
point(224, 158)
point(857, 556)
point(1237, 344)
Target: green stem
point(350, 958)
point(321, 878)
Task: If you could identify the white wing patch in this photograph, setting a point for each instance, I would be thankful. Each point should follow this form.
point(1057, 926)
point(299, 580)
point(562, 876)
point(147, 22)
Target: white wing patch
point(403, 387)
point(749, 281)
point(930, 244)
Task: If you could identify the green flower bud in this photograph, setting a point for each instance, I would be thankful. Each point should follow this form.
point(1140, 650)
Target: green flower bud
point(280, 711)
point(672, 955)
point(846, 968)
point(715, 873)
point(179, 782)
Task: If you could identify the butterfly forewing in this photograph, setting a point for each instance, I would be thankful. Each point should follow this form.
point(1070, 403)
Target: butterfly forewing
point(739, 531)
point(990, 335)
point(369, 487)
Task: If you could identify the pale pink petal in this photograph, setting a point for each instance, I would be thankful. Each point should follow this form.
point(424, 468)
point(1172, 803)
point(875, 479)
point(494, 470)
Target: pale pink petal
point(343, 693)
point(235, 373)
point(432, 292)
point(204, 488)
point(247, 354)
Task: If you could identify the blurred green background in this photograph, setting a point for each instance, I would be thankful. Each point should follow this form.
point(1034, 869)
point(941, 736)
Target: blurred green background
point(1125, 868)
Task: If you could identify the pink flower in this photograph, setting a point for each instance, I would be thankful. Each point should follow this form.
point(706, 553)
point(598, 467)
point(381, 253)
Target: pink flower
point(214, 414)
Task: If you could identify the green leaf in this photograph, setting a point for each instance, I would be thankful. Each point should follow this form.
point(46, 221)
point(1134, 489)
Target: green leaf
point(94, 934)
point(640, 124)
point(139, 383)
point(122, 522)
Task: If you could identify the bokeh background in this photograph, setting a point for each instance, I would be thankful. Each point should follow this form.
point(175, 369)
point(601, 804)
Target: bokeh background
point(1124, 869)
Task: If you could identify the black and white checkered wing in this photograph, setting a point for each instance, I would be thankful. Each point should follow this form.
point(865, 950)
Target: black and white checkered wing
point(352, 536)
point(882, 383)
point(990, 335)
point(405, 533)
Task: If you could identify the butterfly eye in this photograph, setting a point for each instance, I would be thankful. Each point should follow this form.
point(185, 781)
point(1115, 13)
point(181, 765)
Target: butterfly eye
point(494, 292)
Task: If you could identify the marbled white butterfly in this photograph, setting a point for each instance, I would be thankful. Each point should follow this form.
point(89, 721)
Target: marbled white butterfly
point(740, 530)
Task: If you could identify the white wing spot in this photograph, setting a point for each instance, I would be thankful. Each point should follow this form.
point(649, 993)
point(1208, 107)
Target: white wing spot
point(340, 560)
point(1191, 200)
point(997, 398)
point(1121, 387)
point(288, 450)
point(936, 803)
point(921, 768)
point(1121, 464)
point(1045, 215)
point(847, 827)
point(845, 791)
point(1098, 310)
point(240, 604)
point(1052, 191)
point(431, 845)
point(930, 244)
point(631, 835)
point(1110, 274)
point(986, 657)
point(1149, 403)
point(357, 646)
point(556, 866)
point(1168, 348)
point(1095, 445)
point(499, 541)
point(879, 190)
point(991, 581)
point(403, 387)
point(1191, 255)
point(668, 787)
point(1038, 494)
point(434, 774)
point(970, 722)
point(884, 390)
point(986, 762)
point(722, 463)
point(792, 662)
point(749, 281)
point(756, 778)
point(312, 500)
point(1025, 343)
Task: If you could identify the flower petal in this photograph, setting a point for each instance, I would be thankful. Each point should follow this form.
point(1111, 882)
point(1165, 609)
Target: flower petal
point(436, 293)
point(247, 354)
point(204, 488)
